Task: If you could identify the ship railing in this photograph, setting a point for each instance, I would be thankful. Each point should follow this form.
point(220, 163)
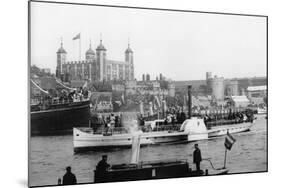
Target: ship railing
point(107, 131)
point(213, 167)
point(112, 130)
point(56, 101)
point(225, 122)
point(167, 128)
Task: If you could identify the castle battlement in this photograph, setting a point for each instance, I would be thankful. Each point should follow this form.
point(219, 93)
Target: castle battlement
point(78, 62)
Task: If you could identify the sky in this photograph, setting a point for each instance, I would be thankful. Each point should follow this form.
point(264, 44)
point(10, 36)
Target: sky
point(180, 45)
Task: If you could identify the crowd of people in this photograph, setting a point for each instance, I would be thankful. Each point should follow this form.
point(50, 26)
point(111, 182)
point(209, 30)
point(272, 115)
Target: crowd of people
point(106, 121)
point(228, 118)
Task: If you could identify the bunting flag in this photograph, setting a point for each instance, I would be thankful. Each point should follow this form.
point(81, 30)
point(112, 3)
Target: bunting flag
point(44, 91)
point(157, 101)
point(76, 37)
point(229, 141)
point(85, 84)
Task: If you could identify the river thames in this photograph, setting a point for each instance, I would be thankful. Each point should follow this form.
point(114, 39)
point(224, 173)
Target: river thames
point(49, 155)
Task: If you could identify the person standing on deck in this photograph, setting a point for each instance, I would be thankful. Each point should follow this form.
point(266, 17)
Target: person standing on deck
point(69, 178)
point(102, 166)
point(197, 158)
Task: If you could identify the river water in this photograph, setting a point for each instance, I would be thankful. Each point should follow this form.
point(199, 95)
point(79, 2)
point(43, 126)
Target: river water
point(49, 155)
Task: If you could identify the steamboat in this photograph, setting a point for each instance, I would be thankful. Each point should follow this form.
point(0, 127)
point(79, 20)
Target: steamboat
point(192, 129)
point(56, 116)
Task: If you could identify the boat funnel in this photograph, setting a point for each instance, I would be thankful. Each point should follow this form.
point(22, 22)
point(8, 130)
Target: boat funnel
point(135, 149)
point(189, 102)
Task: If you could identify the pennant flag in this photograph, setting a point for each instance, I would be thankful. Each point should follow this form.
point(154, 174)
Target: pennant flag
point(229, 141)
point(85, 84)
point(157, 101)
point(76, 37)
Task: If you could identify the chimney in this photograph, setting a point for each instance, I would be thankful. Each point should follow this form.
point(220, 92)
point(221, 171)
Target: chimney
point(147, 77)
point(189, 102)
point(143, 77)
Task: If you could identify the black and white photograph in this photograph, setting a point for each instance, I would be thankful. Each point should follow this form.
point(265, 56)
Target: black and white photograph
point(119, 93)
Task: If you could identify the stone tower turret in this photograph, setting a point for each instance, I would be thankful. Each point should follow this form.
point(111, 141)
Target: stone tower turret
point(101, 62)
point(129, 58)
point(90, 54)
point(61, 59)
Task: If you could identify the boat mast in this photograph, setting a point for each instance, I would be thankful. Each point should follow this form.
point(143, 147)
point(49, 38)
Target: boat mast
point(189, 102)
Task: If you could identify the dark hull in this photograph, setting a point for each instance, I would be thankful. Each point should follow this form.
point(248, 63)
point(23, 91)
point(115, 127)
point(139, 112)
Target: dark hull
point(151, 171)
point(60, 120)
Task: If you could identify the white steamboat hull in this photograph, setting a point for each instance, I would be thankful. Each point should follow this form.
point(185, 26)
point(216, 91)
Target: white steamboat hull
point(84, 141)
point(191, 130)
point(236, 128)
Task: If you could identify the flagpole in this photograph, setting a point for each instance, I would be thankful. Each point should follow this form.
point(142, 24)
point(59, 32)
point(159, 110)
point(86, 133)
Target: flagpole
point(225, 158)
point(80, 47)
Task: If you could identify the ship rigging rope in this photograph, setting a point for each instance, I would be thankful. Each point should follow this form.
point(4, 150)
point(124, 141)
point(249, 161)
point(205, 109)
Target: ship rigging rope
point(64, 85)
point(39, 87)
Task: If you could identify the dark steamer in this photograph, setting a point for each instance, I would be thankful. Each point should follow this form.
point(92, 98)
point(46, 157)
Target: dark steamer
point(60, 118)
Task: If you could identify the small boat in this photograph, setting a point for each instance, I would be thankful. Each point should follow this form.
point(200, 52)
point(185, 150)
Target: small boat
point(147, 170)
point(153, 170)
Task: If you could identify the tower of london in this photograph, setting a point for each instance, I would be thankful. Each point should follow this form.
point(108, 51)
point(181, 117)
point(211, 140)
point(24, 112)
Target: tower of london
point(96, 66)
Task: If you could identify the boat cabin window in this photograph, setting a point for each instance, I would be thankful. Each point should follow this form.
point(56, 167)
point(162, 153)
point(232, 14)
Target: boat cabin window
point(157, 123)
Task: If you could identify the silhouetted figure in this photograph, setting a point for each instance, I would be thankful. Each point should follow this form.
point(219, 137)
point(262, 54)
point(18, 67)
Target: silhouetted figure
point(103, 165)
point(69, 178)
point(59, 181)
point(197, 158)
point(101, 169)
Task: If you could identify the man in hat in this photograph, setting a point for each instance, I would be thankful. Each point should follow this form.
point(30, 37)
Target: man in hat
point(103, 166)
point(101, 169)
point(197, 158)
point(69, 178)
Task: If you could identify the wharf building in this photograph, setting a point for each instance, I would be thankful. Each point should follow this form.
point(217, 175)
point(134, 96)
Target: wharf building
point(152, 87)
point(147, 86)
point(95, 67)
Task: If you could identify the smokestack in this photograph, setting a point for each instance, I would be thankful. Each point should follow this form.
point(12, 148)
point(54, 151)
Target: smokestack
point(143, 77)
point(147, 77)
point(161, 77)
point(189, 102)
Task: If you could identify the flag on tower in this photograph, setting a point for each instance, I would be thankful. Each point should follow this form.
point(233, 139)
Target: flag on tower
point(229, 141)
point(76, 37)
